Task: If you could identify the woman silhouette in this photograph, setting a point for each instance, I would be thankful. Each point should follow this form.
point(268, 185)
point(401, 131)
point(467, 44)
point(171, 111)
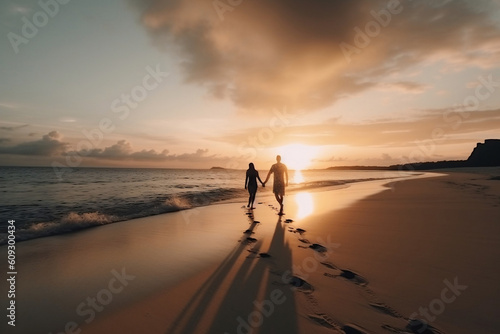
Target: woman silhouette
point(251, 183)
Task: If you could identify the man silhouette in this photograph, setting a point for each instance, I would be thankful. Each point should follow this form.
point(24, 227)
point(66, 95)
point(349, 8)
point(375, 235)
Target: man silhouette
point(280, 181)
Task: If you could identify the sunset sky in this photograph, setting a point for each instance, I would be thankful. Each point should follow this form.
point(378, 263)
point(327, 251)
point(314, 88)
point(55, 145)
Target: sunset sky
point(201, 83)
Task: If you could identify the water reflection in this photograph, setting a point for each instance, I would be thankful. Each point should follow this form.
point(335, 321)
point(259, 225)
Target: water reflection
point(298, 177)
point(305, 204)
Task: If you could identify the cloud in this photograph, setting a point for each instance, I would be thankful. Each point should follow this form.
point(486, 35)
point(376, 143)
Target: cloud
point(331, 159)
point(404, 86)
point(8, 105)
point(19, 9)
point(267, 54)
point(383, 160)
point(51, 144)
point(12, 128)
point(401, 132)
point(122, 150)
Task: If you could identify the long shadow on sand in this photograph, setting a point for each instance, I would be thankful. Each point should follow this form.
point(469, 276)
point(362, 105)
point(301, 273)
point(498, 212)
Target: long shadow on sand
point(284, 317)
point(246, 306)
point(190, 316)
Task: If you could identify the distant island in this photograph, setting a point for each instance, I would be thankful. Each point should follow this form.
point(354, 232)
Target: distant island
point(216, 167)
point(485, 154)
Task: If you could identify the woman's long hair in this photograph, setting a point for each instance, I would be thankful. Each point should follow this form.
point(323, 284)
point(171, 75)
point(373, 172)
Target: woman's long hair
point(251, 166)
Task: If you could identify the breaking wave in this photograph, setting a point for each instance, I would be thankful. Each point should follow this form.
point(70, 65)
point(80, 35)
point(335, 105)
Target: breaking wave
point(138, 208)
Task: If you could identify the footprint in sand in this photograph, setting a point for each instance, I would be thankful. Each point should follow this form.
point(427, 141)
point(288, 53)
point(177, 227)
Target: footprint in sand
point(301, 232)
point(421, 327)
point(248, 240)
point(323, 320)
point(415, 326)
point(318, 248)
point(353, 329)
point(255, 254)
point(300, 284)
point(349, 275)
point(386, 309)
point(329, 265)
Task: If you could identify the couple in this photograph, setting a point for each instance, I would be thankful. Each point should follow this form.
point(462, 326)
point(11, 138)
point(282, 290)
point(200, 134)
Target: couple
point(280, 181)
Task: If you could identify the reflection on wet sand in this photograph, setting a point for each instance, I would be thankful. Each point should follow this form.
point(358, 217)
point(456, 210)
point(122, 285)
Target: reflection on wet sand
point(305, 204)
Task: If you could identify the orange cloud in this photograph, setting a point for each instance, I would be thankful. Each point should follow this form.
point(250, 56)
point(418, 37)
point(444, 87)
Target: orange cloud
point(451, 126)
point(265, 54)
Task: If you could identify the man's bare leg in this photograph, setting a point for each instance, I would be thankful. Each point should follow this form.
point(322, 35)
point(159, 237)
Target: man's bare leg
point(279, 198)
point(252, 200)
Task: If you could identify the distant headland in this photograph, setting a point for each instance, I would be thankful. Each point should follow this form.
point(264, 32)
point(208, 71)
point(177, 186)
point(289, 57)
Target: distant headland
point(485, 154)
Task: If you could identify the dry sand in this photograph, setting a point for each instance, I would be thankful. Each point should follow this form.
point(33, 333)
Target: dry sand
point(361, 259)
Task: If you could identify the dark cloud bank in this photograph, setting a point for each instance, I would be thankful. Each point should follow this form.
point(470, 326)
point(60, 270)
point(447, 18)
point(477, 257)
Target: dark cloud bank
point(52, 145)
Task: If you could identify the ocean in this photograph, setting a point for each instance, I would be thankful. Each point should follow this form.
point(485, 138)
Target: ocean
point(43, 205)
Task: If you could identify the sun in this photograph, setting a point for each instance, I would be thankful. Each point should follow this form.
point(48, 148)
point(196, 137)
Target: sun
point(297, 156)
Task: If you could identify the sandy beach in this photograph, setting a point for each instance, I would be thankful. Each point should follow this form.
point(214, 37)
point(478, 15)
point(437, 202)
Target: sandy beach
point(366, 258)
point(135, 134)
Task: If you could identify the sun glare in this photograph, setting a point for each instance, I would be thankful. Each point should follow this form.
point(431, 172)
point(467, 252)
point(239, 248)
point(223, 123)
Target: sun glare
point(297, 156)
point(297, 176)
point(305, 204)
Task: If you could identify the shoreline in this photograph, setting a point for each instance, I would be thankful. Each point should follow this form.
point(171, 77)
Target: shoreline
point(382, 262)
point(75, 221)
